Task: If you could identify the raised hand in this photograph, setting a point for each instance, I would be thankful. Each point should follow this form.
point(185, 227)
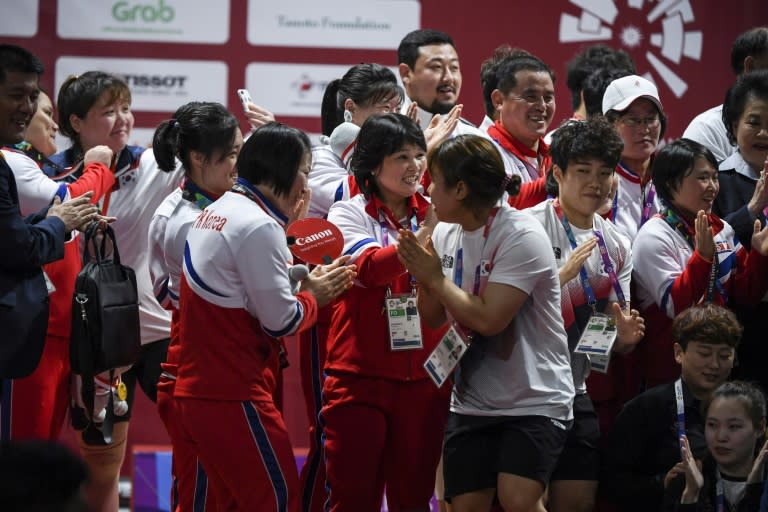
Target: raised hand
point(576, 260)
point(301, 209)
point(705, 240)
point(760, 238)
point(99, 154)
point(422, 261)
point(630, 328)
point(694, 481)
point(756, 475)
point(441, 127)
point(759, 198)
point(258, 116)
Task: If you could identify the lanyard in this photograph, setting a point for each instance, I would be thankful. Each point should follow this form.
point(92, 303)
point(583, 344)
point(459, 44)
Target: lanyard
point(457, 275)
point(647, 199)
point(385, 223)
point(243, 187)
point(607, 264)
point(194, 194)
point(680, 408)
point(719, 491)
point(678, 224)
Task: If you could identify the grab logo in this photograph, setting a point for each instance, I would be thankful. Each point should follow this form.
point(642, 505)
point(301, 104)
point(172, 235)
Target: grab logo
point(656, 31)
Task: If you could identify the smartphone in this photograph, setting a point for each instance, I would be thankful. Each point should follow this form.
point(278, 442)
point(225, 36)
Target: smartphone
point(245, 98)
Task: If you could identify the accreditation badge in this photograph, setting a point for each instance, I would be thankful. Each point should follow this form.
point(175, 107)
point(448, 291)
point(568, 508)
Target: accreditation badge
point(50, 288)
point(404, 322)
point(597, 340)
point(445, 356)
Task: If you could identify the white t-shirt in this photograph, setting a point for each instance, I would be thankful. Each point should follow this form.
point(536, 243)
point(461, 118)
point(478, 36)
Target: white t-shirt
point(134, 204)
point(525, 369)
point(575, 308)
point(516, 167)
point(708, 129)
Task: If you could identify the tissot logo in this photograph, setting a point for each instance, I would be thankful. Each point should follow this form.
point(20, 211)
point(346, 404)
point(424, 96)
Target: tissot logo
point(167, 81)
point(127, 11)
point(654, 33)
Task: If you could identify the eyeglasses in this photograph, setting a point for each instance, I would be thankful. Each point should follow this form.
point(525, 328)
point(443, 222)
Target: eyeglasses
point(631, 122)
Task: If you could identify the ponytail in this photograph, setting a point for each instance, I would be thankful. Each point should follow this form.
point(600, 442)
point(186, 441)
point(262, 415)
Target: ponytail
point(330, 115)
point(165, 144)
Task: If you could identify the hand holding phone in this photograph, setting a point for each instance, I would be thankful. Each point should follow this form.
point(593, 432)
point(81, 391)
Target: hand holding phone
point(245, 98)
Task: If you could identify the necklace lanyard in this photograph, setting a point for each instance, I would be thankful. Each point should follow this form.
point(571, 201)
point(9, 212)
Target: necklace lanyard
point(243, 187)
point(194, 194)
point(646, 199)
point(680, 403)
point(458, 274)
point(719, 491)
point(386, 223)
point(607, 264)
point(678, 224)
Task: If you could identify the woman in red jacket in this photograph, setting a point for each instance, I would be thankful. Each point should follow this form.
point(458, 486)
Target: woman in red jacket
point(383, 417)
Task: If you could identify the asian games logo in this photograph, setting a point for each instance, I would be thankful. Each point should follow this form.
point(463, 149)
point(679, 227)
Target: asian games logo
point(653, 29)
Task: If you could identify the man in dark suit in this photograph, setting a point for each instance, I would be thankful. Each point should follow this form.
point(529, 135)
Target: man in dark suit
point(26, 243)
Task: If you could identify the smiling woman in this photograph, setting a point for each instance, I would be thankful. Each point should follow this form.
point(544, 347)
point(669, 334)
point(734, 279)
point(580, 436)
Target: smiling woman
point(372, 362)
point(688, 254)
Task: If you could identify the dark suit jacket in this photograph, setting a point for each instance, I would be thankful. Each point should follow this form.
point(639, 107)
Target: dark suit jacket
point(25, 245)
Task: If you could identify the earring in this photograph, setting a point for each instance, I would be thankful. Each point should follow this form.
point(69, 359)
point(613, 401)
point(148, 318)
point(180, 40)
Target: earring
point(347, 116)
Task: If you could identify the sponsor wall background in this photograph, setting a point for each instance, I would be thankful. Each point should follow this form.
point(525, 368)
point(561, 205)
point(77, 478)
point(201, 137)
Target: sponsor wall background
point(174, 51)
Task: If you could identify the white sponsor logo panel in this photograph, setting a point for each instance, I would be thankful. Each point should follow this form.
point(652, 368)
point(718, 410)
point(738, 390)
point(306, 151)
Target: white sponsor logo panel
point(19, 20)
point(156, 85)
point(176, 21)
point(372, 24)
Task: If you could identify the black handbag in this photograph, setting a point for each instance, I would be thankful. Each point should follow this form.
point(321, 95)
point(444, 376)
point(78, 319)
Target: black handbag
point(105, 319)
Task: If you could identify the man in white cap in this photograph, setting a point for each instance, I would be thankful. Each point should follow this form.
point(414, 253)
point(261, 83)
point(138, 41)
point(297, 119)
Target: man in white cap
point(632, 104)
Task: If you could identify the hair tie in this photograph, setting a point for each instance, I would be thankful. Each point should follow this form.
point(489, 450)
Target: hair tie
point(172, 123)
point(511, 184)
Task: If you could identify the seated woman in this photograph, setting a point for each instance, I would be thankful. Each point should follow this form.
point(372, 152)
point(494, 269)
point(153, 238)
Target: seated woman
point(731, 475)
point(687, 254)
point(489, 272)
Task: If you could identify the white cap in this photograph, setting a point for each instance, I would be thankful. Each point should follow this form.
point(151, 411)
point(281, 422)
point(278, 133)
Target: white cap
point(623, 91)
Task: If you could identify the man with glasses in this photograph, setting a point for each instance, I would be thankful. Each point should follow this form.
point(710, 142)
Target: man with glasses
point(632, 104)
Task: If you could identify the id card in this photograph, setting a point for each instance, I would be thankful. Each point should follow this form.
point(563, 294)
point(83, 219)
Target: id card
point(404, 322)
point(597, 339)
point(599, 363)
point(445, 356)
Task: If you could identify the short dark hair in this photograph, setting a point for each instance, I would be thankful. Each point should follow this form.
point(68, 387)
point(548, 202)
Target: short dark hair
point(272, 155)
point(708, 323)
point(379, 137)
point(197, 126)
point(408, 50)
point(593, 58)
point(488, 79)
point(365, 84)
point(753, 42)
point(750, 396)
point(510, 66)
point(475, 161)
point(79, 93)
point(586, 140)
point(674, 162)
point(749, 85)
point(17, 59)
